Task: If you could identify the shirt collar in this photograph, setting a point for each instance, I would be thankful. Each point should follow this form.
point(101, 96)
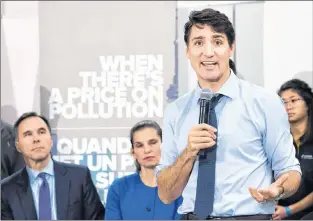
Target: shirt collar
point(34, 173)
point(230, 88)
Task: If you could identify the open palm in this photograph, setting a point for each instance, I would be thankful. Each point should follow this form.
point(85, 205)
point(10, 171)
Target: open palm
point(269, 193)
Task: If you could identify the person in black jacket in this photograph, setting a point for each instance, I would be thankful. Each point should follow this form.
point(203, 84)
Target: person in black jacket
point(11, 159)
point(298, 99)
point(46, 189)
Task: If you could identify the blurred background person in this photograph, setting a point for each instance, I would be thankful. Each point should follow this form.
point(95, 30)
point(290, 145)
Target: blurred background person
point(11, 159)
point(298, 99)
point(46, 189)
point(136, 196)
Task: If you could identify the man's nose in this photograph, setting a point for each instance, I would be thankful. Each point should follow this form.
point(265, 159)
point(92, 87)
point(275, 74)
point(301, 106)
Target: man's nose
point(208, 50)
point(36, 138)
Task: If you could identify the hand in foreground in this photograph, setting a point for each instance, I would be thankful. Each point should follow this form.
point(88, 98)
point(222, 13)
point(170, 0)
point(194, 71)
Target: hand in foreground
point(270, 193)
point(200, 137)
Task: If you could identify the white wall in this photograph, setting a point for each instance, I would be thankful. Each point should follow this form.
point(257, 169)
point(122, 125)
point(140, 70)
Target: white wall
point(287, 41)
point(19, 59)
point(183, 4)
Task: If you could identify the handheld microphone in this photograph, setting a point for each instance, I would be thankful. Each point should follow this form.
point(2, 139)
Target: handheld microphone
point(205, 103)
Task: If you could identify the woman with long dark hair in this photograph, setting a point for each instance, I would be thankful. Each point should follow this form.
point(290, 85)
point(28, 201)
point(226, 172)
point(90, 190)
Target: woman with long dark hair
point(298, 99)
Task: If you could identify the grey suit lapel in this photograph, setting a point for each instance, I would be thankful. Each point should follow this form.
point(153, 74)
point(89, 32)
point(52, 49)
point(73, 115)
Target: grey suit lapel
point(26, 196)
point(62, 185)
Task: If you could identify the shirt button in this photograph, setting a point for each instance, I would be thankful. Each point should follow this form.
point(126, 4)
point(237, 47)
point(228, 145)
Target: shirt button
point(148, 209)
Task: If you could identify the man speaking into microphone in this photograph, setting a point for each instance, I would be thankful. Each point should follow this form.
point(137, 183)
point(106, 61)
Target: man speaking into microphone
point(226, 141)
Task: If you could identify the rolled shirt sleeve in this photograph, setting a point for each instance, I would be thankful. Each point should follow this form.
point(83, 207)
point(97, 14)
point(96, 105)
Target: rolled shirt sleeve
point(278, 141)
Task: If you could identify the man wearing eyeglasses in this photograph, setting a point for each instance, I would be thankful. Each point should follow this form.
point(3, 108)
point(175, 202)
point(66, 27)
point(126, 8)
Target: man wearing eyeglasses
point(298, 99)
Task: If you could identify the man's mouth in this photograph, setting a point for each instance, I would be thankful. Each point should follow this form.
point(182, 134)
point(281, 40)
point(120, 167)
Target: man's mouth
point(208, 63)
point(37, 148)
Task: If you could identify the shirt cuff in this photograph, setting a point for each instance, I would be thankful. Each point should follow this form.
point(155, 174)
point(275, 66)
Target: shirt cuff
point(292, 168)
point(158, 169)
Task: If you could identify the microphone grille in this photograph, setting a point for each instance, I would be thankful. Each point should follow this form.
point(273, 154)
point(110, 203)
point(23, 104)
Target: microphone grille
point(206, 94)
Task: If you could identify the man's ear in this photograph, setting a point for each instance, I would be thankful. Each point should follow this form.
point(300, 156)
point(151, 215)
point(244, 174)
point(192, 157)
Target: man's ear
point(51, 141)
point(18, 147)
point(232, 50)
point(187, 52)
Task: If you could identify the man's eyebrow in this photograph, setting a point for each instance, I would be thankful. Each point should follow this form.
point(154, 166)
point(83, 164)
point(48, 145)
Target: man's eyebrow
point(26, 132)
point(218, 36)
point(42, 128)
point(197, 38)
point(214, 37)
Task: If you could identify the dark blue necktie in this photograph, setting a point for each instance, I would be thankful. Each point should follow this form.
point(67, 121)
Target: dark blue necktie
point(206, 173)
point(44, 199)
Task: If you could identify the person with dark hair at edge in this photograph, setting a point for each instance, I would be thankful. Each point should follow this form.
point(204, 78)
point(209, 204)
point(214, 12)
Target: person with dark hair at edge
point(46, 189)
point(239, 163)
point(298, 98)
point(11, 160)
point(136, 196)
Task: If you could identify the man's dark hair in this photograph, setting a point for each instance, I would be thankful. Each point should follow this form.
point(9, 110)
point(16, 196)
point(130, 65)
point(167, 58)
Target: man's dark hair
point(218, 21)
point(142, 125)
point(305, 91)
point(28, 115)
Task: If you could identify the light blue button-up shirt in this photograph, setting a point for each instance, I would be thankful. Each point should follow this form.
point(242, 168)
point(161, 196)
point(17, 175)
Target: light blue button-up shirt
point(35, 183)
point(253, 139)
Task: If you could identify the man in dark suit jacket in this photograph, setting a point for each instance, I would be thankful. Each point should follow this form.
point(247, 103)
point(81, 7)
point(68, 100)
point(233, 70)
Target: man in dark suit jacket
point(11, 160)
point(45, 189)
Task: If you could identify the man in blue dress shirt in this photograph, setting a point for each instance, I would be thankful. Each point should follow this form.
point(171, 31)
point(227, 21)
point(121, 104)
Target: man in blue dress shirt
point(253, 145)
point(45, 189)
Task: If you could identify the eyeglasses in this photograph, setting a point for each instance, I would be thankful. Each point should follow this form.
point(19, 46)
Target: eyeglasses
point(292, 101)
